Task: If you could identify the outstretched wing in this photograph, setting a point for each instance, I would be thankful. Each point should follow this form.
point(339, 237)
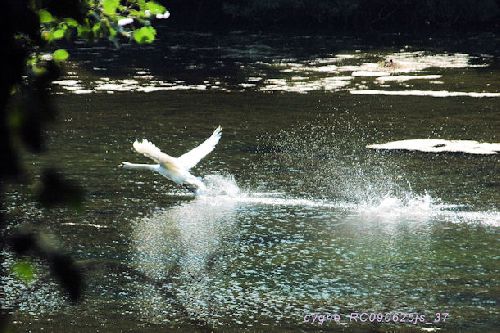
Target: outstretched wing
point(149, 150)
point(191, 158)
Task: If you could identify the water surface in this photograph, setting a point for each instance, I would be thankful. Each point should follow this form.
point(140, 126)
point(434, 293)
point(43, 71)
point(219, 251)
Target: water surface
point(301, 217)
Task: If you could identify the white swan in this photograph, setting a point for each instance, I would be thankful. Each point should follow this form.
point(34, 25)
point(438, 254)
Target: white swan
point(175, 168)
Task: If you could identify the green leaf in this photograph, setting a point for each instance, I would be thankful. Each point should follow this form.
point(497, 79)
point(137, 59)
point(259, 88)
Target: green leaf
point(83, 31)
point(60, 55)
point(71, 22)
point(135, 13)
point(112, 32)
point(47, 35)
point(45, 16)
point(109, 6)
point(141, 4)
point(155, 8)
point(145, 35)
point(38, 70)
point(58, 34)
point(24, 271)
point(96, 30)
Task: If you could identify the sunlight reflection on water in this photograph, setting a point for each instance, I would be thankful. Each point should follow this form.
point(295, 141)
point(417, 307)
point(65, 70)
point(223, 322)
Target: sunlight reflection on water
point(338, 72)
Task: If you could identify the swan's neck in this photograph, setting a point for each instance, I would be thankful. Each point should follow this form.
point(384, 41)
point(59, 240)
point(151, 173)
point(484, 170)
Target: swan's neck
point(150, 167)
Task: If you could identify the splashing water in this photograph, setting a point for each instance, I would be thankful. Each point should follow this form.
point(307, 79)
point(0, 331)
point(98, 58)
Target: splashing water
point(218, 185)
point(391, 209)
point(373, 203)
point(208, 250)
point(322, 170)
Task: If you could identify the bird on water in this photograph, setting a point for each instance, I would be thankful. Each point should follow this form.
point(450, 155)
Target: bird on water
point(175, 168)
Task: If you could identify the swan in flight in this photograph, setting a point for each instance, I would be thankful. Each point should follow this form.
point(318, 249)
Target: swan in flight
point(175, 168)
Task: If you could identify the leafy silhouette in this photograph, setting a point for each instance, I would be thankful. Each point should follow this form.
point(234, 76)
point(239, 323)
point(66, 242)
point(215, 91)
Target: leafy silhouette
point(29, 29)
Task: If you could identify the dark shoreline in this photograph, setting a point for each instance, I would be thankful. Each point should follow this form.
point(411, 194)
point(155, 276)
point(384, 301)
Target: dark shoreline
point(339, 16)
point(470, 42)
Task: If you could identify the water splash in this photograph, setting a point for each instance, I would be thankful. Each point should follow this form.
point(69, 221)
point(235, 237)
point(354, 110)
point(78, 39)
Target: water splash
point(339, 173)
point(372, 204)
point(390, 209)
point(218, 185)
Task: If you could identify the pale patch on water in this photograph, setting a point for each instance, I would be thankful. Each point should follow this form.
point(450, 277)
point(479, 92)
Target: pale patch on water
point(110, 86)
point(431, 93)
point(373, 73)
point(300, 86)
point(401, 78)
point(420, 60)
point(440, 146)
point(97, 226)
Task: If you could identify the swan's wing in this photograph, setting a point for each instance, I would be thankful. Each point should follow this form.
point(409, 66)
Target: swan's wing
point(149, 150)
point(191, 158)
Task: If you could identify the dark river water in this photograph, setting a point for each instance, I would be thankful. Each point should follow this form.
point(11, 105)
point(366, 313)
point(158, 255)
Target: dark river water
point(303, 227)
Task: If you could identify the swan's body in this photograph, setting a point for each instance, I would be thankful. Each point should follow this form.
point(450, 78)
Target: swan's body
point(175, 168)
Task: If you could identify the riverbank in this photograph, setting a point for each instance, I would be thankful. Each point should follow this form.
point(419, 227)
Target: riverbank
point(329, 16)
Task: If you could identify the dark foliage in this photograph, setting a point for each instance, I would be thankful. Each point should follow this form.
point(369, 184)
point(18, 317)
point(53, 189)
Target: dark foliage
point(32, 108)
point(348, 15)
point(62, 267)
point(67, 8)
point(26, 30)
